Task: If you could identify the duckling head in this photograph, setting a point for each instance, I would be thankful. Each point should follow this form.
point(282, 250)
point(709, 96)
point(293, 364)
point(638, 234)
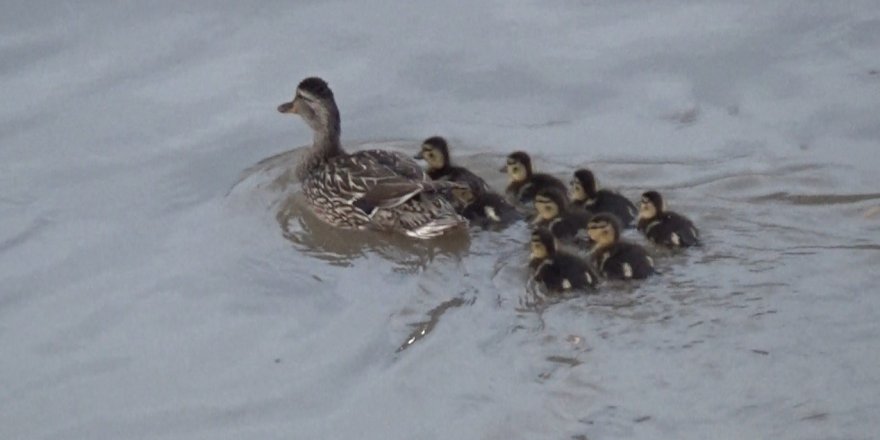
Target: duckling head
point(550, 203)
point(435, 152)
point(604, 229)
point(518, 167)
point(542, 245)
point(314, 102)
point(583, 185)
point(651, 205)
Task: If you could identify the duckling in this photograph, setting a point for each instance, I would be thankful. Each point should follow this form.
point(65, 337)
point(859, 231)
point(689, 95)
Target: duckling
point(616, 258)
point(372, 189)
point(484, 208)
point(558, 270)
point(584, 191)
point(435, 152)
point(524, 182)
point(557, 216)
point(665, 227)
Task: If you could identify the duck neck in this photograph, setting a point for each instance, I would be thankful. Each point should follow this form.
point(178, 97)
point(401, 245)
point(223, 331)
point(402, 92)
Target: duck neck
point(325, 146)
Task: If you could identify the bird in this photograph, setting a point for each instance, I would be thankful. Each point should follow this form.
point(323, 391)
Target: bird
point(524, 183)
point(556, 269)
point(664, 227)
point(613, 257)
point(435, 152)
point(584, 191)
point(562, 220)
point(484, 208)
point(371, 189)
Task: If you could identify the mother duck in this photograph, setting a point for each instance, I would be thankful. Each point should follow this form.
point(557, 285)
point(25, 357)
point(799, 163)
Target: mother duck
point(372, 189)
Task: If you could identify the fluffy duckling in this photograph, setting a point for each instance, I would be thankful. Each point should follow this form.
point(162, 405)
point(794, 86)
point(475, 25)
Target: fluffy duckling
point(665, 227)
point(435, 152)
point(558, 270)
point(557, 216)
point(484, 208)
point(584, 192)
point(615, 258)
point(524, 182)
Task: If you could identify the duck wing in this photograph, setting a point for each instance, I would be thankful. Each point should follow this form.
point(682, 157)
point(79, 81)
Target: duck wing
point(399, 163)
point(375, 179)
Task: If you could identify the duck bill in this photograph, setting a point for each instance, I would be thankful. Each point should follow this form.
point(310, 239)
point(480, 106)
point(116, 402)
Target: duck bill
point(287, 107)
point(503, 169)
point(418, 156)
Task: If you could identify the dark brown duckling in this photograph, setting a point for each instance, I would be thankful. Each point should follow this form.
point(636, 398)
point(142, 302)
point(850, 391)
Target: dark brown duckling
point(664, 227)
point(557, 270)
point(524, 182)
point(484, 208)
point(615, 258)
point(435, 152)
point(584, 191)
point(554, 213)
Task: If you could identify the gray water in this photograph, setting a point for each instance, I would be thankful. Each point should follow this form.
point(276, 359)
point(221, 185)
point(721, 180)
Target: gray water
point(160, 278)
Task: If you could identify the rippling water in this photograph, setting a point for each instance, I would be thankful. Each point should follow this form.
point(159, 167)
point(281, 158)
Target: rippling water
point(159, 277)
point(725, 319)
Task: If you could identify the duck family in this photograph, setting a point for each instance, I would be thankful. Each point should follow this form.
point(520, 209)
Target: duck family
point(390, 191)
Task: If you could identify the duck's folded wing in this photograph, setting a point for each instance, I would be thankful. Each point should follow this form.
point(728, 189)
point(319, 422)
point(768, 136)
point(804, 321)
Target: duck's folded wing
point(400, 164)
point(387, 195)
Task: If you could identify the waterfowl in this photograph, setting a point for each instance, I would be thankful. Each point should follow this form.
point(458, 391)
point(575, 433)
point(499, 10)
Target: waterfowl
point(584, 191)
point(615, 258)
point(524, 182)
point(372, 189)
point(554, 213)
point(558, 270)
point(435, 152)
point(665, 227)
point(484, 208)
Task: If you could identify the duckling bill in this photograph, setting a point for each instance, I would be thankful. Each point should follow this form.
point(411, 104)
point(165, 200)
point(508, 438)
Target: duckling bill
point(615, 258)
point(584, 191)
point(558, 271)
point(664, 227)
point(524, 183)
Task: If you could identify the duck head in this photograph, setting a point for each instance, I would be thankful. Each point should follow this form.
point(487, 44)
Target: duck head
point(314, 103)
point(435, 152)
point(542, 245)
point(550, 204)
point(604, 229)
point(583, 186)
point(518, 166)
point(651, 205)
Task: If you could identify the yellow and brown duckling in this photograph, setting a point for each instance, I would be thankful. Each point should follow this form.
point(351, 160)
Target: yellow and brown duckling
point(664, 227)
point(484, 208)
point(615, 258)
point(555, 214)
point(584, 191)
point(435, 152)
point(557, 270)
point(524, 182)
